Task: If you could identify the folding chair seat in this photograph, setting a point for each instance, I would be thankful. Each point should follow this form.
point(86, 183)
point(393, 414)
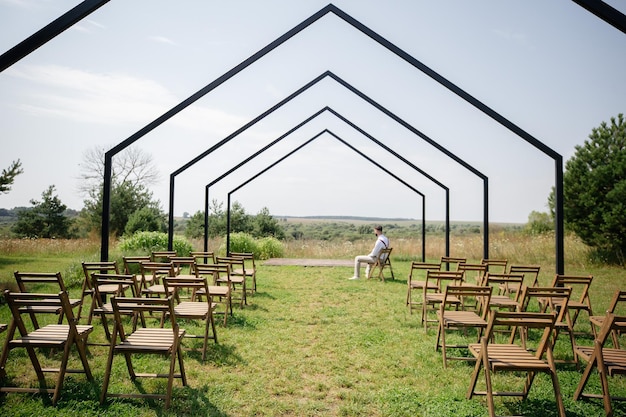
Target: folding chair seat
point(61, 337)
point(494, 357)
point(433, 298)
point(154, 272)
point(88, 269)
point(125, 285)
point(554, 300)
point(220, 288)
point(453, 317)
point(164, 341)
point(579, 300)
point(250, 271)
point(43, 282)
point(195, 309)
point(618, 300)
point(495, 265)
point(451, 263)
point(237, 281)
point(414, 283)
point(383, 260)
point(607, 361)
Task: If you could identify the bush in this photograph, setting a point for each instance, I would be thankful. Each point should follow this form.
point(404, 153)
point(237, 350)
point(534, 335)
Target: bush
point(265, 248)
point(270, 247)
point(242, 242)
point(146, 242)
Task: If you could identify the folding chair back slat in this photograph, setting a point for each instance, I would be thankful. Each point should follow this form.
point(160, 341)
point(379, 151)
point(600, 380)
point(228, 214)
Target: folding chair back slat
point(451, 263)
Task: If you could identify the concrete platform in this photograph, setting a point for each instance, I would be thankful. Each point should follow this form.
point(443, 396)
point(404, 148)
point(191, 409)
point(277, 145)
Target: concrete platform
point(308, 262)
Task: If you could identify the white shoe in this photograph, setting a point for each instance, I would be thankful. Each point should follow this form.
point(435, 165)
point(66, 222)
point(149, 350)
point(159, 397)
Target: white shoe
point(353, 278)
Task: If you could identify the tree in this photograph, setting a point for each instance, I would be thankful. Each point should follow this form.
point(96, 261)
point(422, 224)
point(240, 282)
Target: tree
point(146, 219)
point(45, 219)
point(8, 176)
point(266, 225)
point(539, 223)
point(240, 221)
point(194, 228)
point(132, 172)
point(594, 190)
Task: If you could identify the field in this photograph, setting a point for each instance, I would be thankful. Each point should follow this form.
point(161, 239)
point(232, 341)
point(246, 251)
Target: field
point(312, 343)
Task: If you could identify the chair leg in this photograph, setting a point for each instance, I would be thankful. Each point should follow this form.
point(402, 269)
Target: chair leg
point(555, 383)
point(485, 360)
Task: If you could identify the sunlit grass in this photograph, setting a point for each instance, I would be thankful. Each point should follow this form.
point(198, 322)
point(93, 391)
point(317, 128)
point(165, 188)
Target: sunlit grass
point(312, 343)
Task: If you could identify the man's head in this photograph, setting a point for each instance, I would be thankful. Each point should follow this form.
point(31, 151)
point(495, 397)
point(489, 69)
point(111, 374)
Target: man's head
point(378, 230)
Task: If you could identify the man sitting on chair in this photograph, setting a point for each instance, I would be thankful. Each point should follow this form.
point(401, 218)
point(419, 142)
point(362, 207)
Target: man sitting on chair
point(381, 243)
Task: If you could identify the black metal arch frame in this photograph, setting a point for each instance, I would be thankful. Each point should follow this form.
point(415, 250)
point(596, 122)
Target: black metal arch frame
point(297, 149)
point(373, 103)
point(559, 227)
point(597, 7)
point(364, 133)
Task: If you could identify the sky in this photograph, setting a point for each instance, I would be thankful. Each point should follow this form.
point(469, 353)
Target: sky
point(550, 67)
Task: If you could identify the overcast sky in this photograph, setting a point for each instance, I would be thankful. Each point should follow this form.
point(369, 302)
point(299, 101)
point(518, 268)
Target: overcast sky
point(549, 66)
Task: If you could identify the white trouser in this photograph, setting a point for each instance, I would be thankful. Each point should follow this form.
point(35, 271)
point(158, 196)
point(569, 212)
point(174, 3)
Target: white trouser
point(366, 259)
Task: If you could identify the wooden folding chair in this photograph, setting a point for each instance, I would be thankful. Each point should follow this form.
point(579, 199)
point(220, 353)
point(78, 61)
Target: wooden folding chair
point(238, 282)
point(151, 275)
point(495, 265)
point(531, 273)
point(607, 361)
point(493, 357)
point(122, 283)
point(553, 300)
point(473, 274)
point(61, 337)
point(162, 255)
point(195, 309)
point(250, 271)
point(431, 299)
point(43, 282)
point(506, 298)
point(452, 318)
point(383, 260)
point(579, 301)
point(619, 299)
point(451, 263)
point(87, 290)
point(220, 288)
point(203, 257)
point(415, 283)
point(145, 340)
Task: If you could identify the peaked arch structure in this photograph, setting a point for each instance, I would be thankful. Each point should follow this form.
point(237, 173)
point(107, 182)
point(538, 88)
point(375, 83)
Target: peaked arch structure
point(368, 136)
point(300, 147)
point(331, 9)
point(373, 103)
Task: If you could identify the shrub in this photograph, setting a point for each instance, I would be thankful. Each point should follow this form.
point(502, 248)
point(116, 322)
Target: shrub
point(142, 242)
point(270, 247)
point(242, 242)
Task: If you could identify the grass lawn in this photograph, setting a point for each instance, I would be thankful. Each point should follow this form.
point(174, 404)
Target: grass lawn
point(312, 343)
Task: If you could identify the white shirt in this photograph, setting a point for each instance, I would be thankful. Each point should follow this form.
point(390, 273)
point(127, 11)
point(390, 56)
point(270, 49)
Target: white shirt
point(381, 243)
